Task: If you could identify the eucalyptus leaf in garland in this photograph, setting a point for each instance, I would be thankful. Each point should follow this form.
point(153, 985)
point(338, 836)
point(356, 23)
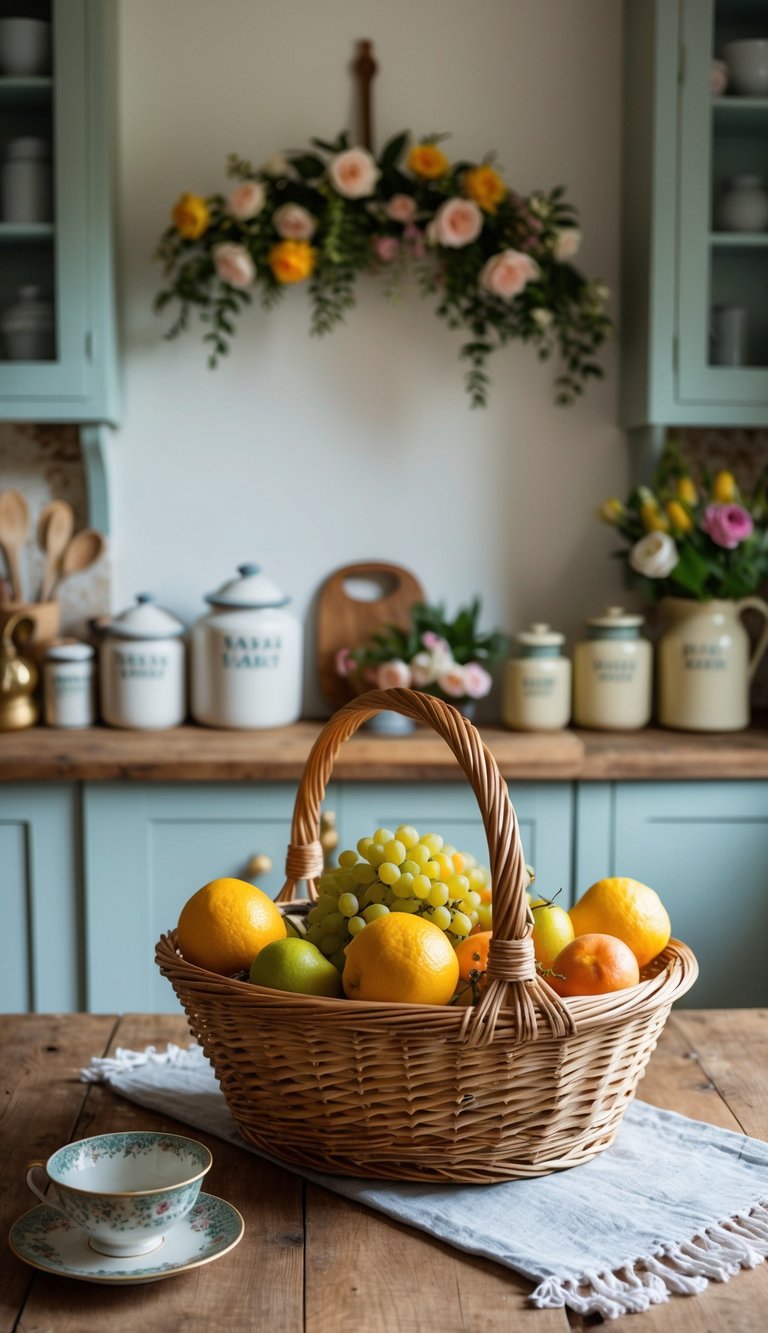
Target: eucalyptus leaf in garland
point(497, 264)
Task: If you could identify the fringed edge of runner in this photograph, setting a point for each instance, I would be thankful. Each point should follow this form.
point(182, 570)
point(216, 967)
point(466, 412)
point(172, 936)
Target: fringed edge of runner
point(183, 1057)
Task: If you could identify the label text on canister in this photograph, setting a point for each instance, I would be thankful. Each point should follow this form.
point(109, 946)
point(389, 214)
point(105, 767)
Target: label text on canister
point(704, 657)
point(142, 666)
point(245, 650)
point(617, 669)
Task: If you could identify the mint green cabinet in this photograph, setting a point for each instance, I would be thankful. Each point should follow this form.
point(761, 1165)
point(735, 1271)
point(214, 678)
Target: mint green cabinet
point(704, 847)
point(681, 145)
point(40, 899)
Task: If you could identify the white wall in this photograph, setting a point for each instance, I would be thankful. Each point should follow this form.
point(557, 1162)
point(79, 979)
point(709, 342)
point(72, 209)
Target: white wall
point(304, 454)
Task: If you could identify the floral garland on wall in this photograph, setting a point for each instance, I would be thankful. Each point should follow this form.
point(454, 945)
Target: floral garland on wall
point(498, 264)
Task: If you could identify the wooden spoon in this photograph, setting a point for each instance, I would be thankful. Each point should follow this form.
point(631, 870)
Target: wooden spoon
point(85, 548)
point(14, 526)
point(54, 530)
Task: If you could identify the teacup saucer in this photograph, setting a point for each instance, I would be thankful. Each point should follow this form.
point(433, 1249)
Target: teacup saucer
point(47, 1240)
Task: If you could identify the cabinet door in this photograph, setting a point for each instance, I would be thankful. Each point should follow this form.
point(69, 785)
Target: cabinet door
point(148, 848)
point(544, 812)
point(40, 961)
point(704, 847)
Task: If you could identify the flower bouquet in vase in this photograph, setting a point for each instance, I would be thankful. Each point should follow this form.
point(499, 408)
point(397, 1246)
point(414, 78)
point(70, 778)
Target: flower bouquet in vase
point(701, 551)
point(445, 657)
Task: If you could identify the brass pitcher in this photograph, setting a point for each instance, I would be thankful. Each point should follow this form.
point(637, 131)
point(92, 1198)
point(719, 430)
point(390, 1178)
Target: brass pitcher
point(18, 676)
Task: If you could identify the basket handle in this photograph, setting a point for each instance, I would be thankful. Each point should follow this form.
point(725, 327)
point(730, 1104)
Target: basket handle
point(512, 976)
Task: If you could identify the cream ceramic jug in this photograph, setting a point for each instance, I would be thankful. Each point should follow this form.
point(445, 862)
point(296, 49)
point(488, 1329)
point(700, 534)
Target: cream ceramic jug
point(704, 663)
point(246, 656)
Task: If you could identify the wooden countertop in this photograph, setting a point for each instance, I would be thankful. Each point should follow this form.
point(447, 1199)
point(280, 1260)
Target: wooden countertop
point(312, 1261)
point(200, 754)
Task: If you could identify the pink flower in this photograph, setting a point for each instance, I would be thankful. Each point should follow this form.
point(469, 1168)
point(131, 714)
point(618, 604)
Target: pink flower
point(401, 208)
point(453, 681)
point(345, 662)
point(234, 265)
point(392, 674)
point(434, 642)
point(477, 681)
point(507, 273)
point(247, 200)
point(727, 525)
point(386, 248)
point(163, 1207)
point(457, 222)
point(294, 223)
point(353, 173)
point(423, 669)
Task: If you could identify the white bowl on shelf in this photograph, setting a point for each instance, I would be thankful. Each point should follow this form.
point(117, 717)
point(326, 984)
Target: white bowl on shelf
point(25, 47)
point(747, 63)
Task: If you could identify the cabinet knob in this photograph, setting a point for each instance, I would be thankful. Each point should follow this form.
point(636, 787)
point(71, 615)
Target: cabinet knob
point(329, 835)
point(259, 865)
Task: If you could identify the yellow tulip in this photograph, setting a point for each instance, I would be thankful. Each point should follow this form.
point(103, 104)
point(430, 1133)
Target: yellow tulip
point(652, 518)
point(679, 517)
point(724, 488)
point(485, 187)
point(291, 261)
point(191, 216)
point(611, 511)
point(686, 491)
point(428, 161)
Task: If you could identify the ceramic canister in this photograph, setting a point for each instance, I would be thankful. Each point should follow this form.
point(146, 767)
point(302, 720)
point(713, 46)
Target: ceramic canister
point(246, 656)
point(142, 668)
point(537, 682)
point(612, 673)
point(69, 685)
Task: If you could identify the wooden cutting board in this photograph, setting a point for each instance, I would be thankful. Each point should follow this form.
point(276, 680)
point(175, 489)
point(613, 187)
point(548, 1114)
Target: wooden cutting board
point(344, 621)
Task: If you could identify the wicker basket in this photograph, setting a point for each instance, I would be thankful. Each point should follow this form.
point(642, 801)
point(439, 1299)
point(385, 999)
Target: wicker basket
point(521, 1085)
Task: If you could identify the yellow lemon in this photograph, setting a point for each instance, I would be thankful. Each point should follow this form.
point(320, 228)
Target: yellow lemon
point(631, 911)
point(552, 930)
point(402, 959)
point(225, 924)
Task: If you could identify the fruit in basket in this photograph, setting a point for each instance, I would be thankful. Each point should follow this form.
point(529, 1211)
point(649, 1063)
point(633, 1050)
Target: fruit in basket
point(401, 873)
point(594, 965)
point(552, 930)
point(627, 909)
point(472, 957)
point(403, 959)
point(225, 924)
point(295, 965)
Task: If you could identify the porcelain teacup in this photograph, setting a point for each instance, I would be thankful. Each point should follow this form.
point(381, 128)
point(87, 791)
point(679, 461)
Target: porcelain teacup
point(125, 1190)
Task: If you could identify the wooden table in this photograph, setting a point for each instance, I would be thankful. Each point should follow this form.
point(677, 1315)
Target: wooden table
point(310, 1259)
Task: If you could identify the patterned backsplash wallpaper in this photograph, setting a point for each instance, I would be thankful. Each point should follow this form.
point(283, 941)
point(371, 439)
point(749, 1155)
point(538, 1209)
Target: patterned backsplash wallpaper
point(44, 463)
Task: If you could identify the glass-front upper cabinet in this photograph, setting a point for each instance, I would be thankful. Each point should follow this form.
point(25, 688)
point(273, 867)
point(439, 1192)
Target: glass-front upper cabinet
point(56, 286)
point(695, 224)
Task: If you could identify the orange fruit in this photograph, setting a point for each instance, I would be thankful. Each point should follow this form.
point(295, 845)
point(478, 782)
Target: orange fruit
point(402, 959)
point(225, 924)
point(627, 909)
point(593, 965)
point(552, 930)
point(472, 955)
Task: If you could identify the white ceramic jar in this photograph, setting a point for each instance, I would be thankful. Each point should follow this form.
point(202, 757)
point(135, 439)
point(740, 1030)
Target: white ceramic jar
point(27, 327)
point(743, 206)
point(142, 668)
point(246, 656)
point(69, 689)
point(537, 682)
point(613, 674)
point(27, 181)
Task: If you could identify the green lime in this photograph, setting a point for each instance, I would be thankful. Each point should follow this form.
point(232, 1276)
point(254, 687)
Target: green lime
point(295, 965)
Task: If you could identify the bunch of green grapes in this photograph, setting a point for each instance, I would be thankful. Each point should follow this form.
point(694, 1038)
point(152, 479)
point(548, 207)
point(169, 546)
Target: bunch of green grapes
point(399, 872)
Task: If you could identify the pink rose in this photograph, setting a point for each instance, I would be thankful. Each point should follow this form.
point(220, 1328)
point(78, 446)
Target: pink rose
point(507, 273)
point(246, 200)
point(457, 222)
point(434, 642)
point(727, 525)
point(422, 669)
point(353, 173)
point(390, 675)
point(386, 248)
point(344, 662)
point(400, 208)
point(234, 265)
point(477, 681)
point(453, 682)
point(294, 223)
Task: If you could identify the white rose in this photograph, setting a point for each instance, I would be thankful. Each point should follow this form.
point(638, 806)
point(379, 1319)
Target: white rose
point(566, 244)
point(654, 556)
point(247, 200)
point(542, 317)
point(422, 669)
point(392, 674)
point(453, 681)
point(234, 264)
point(277, 165)
point(294, 223)
point(353, 173)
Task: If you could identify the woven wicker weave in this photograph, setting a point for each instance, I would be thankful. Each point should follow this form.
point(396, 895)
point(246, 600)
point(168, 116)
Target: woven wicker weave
point(523, 1084)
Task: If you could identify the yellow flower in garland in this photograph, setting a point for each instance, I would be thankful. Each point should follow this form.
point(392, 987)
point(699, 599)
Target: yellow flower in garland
point(485, 187)
point(292, 261)
point(686, 491)
point(724, 488)
point(191, 216)
point(679, 517)
point(428, 161)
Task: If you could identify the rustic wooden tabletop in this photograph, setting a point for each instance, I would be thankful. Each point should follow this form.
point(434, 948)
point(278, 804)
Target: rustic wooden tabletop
point(311, 1260)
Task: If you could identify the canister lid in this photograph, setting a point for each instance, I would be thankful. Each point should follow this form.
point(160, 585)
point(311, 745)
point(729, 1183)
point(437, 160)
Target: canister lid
point(615, 623)
point(145, 620)
point(27, 147)
point(69, 652)
point(540, 635)
point(251, 591)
